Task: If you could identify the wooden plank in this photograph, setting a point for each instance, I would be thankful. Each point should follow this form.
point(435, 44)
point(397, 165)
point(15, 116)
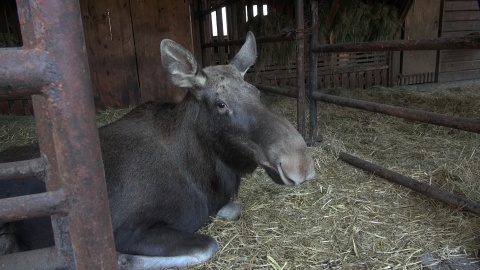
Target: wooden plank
point(461, 26)
point(460, 55)
point(458, 33)
point(368, 79)
point(17, 107)
point(361, 80)
point(460, 66)
point(421, 23)
point(111, 52)
point(152, 22)
point(469, 15)
point(345, 81)
point(461, 5)
point(459, 76)
point(353, 82)
point(4, 107)
point(377, 77)
point(385, 81)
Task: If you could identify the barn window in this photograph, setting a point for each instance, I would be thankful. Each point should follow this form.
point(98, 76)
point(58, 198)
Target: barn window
point(224, 18)
point(255, 11)
point(224, 22)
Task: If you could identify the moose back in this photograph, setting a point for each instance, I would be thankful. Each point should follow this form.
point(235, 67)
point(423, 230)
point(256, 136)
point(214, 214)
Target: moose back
point(171, 167)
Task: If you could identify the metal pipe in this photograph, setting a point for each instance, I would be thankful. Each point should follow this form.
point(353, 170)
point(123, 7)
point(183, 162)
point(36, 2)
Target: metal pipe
point(22, 169)
point(288, 92)
point(264, 39)
point(24, 72)
point(313, 70)
point(457, 122)
point(447, 43)
point(300, 45)
point(411, 183)
point(40, 259)
point(72, 142)
point(31, 206)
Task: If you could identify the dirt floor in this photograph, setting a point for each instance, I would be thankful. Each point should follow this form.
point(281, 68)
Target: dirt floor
point(346, 218)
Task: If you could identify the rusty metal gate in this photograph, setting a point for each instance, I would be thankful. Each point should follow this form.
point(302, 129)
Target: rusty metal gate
point(52, 67)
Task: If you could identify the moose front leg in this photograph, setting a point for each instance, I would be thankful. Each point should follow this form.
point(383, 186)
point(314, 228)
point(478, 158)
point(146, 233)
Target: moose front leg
point(161, 246)
point(231, 211)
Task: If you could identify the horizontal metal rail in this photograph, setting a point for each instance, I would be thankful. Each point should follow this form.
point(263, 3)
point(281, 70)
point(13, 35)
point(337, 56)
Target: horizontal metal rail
point(425, 189)
point(457, 122)
point(25, 72)
point(31, 206)
point(265, 39)
point(451, 43)
point(22, 169)
point(40, 259)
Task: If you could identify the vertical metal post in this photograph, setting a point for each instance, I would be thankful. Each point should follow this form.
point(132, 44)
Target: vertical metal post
point(69, 105)
point(68, 136)
point(313, 69)
point(300, 45)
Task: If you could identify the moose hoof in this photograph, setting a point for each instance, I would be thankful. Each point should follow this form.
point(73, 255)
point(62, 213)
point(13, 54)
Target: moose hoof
point(230, 211)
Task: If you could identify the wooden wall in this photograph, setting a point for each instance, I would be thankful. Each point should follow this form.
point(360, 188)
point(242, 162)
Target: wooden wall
point(421, 22)
point(460, 18)
point(123, 46)
point(111, 52)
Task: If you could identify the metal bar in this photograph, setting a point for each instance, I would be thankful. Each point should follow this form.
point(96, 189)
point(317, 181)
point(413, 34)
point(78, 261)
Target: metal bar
point(40, 259)
point(411, 183)
point(313, 69)
point(300, 45)
point(450, 43)
point(24, 72)
point(31, 206)
point(457, 122)
point(22, 169)
point(73, 127)
point(68, 105)
point(264, 39)
point(289, 92)
point(46, 143)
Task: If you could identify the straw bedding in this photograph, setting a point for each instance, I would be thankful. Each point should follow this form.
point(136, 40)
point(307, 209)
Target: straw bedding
point(346, 218)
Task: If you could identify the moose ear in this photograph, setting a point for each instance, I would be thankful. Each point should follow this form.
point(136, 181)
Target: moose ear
point(245, 58)
point(180, 65)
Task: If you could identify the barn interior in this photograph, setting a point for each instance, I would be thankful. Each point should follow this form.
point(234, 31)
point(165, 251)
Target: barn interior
point(347, 217)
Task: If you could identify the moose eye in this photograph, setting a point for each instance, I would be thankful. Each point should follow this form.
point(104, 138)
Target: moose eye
point(221, 105)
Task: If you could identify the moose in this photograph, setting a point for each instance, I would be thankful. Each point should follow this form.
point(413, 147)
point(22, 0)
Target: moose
point(171, 167)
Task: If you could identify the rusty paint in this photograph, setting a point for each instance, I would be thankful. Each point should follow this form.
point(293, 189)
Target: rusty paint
point(53, 63)
point(22, 169)
point(31, 206)
point(46, 258)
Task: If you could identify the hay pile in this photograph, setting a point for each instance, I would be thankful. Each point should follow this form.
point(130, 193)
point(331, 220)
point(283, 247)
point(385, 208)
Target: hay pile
point(346, 218)
point(356, 21)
